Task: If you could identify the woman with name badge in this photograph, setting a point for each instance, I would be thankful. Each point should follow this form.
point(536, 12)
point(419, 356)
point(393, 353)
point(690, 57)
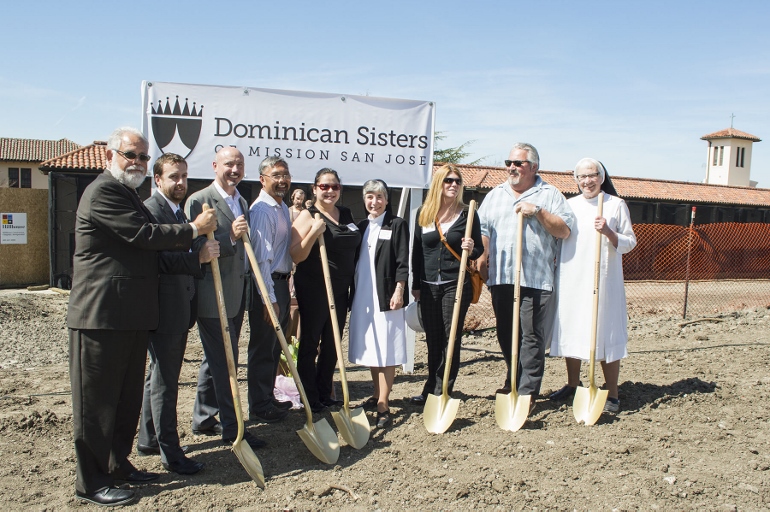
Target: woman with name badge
point(317, 356)
point(441, 224)
point(377, 321)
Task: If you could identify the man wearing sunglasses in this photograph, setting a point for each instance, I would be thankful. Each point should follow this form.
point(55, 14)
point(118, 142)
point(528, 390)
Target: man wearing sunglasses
point(213, 394)
point(547, 217)
point(113, 305)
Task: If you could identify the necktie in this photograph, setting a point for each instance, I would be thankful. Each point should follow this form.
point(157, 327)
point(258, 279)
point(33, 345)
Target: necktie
point(180, 216)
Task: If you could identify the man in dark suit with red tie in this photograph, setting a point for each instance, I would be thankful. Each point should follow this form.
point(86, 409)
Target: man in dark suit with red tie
point(178, 310)
point(113, 305)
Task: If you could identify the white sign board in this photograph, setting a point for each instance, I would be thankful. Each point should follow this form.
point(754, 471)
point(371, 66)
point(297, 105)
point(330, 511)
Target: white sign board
point(13, 229)
point(360, 137)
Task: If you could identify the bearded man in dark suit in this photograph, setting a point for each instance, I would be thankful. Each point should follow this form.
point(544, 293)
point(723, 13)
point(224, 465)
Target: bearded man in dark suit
point(113, 305)
point(178, 311)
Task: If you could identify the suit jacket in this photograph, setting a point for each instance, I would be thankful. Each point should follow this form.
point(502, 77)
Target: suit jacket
point(391, 258)
point(116, 263)
point(232, 258)
point(177, 310)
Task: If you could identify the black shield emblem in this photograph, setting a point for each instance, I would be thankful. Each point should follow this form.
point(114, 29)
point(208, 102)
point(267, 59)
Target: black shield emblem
point(176, 129)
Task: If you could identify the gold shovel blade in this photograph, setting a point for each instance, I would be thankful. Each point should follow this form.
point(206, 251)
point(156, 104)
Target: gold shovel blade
point(353, 425)
point(511, 410)
point(321, 440)
point(250, 462)
point(439, 413)
point(589, 404)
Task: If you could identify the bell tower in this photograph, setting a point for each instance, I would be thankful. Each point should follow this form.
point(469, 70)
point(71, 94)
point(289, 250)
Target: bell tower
point(728, 161)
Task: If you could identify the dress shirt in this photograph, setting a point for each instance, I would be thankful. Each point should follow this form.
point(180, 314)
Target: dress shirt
point(270, 226)
point(498, 223)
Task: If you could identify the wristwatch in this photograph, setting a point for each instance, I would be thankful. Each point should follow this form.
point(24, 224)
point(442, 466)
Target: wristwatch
point(537, 210)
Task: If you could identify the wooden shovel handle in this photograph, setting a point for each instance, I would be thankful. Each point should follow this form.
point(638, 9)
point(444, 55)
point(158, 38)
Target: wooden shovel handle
point(595, 311)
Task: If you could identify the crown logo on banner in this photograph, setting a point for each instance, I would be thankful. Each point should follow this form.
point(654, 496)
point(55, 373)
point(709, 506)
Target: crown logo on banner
point(176, 129)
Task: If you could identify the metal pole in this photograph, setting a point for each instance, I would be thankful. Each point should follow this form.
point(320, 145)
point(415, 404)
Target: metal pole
point(687, 273)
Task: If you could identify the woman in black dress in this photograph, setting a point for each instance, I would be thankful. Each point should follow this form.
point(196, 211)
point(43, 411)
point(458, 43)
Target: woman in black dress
point(315, 364)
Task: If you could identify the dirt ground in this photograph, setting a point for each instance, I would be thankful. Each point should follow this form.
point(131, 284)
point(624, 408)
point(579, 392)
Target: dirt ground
point(693, 432)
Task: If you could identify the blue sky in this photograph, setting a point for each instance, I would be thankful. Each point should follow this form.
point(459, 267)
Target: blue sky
point(634, 84)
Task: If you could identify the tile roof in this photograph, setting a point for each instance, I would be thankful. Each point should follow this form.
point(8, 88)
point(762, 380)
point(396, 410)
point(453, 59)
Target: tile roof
point(484, 178)
point(33, 150)
point(731, 133)
point(86, 158)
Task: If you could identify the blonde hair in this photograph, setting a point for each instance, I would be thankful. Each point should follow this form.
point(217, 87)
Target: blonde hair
point(432, 203)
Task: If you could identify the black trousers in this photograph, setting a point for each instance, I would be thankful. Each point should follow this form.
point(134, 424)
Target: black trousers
point(213, 395)
point(106, 376)
point(437, 308)
point(158, 425)
point(264, 349)
point(317, 356)
point(533, 314)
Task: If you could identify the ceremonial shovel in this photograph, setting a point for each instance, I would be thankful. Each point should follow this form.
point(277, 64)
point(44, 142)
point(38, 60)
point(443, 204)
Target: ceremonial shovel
point(440, 411)
point(319, 437)
point(511, 410)
point(353, 425)
point(242, 450)
point(589, 402)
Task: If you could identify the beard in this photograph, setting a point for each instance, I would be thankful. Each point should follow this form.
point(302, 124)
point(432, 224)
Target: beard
point(128, 177)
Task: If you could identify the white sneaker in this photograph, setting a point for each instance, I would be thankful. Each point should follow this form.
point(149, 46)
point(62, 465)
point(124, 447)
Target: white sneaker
point(612, 405)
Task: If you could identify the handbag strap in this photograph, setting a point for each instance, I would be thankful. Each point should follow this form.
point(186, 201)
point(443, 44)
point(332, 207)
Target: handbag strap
point(446, 244)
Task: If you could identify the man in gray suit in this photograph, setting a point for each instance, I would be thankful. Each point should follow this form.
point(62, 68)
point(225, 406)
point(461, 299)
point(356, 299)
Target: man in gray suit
point(113, 305)
point(213, 395)
point(178, 310)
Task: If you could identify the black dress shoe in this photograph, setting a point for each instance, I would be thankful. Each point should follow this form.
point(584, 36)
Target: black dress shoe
point(418, 399)
point(184, 466)
point(144, 450)
point(564, 393)
point(283, 404)
point(270, 414)
point(108, 496)
point(136, 476)
point(215, 430)
point(331, 402)
point(317, 407)
point(251, 440)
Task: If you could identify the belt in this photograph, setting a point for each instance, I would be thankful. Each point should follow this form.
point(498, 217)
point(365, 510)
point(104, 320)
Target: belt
point(280, 276)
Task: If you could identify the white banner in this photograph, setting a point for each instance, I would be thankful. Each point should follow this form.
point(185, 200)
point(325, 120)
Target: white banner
point(360, 137)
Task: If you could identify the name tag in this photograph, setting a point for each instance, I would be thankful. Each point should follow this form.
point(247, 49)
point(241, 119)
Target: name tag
point(352, 227)
point(385, 234)
point(428, 229)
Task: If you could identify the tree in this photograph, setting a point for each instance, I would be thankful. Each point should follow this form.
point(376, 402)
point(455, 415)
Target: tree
point(452, 155)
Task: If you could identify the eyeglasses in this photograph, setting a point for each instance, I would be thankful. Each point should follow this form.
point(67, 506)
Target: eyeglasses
point(583, 177)
point(329, 186)
point(276, 177)
point(130, 155)
point(516, 163)
point(456, 181)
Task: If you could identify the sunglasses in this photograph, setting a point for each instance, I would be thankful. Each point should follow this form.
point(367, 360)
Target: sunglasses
point(329, 186)
point(516, 163)
point(456, 181)
point(130, 155)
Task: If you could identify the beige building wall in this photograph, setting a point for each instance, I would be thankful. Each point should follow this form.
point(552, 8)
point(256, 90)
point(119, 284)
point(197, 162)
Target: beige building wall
point(39, 180)
point(723, 166)
point(25, 264)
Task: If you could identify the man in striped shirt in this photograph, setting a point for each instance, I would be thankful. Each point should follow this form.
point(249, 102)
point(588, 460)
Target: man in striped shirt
point(270, 224)
point(547, 217)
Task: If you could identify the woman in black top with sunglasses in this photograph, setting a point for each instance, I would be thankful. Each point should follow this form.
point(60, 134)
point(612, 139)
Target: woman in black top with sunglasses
point(342, 238)
point(435, 271)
